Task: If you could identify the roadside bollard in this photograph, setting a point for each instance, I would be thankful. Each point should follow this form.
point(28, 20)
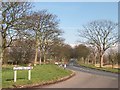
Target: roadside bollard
point(64, 66)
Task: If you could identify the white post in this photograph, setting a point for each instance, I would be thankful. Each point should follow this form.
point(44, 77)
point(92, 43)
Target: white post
point(15, 75)
point(29, 74)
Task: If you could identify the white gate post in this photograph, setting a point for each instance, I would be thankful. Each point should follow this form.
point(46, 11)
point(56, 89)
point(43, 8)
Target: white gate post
point(29, 74)
point(15, 75)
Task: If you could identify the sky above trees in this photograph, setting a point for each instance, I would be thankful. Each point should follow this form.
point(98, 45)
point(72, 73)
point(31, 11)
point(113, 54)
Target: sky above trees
point(73, 15)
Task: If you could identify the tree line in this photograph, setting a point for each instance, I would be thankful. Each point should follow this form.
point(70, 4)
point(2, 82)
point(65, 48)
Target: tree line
point(30, 36)
point(89, 55)
point(34, 37)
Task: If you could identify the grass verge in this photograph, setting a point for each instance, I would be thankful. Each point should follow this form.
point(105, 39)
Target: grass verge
point(107, 69)
point(40, 74)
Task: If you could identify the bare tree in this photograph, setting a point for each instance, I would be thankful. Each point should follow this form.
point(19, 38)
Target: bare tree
point(113, 56)
point(48, 33)
point(55, 49)
point(45, 27)
point(48, 40)
point(13, 14)
point(22, 52)
point(102, 34)
point(93, 54)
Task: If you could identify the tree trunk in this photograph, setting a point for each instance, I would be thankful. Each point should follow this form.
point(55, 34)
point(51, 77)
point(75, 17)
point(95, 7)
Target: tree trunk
point(95, 60)
point(1, 56)
point(101, 60)
point(44, 58)
point(2, 47)
point(40, 58)
point(36, 54)
point(112, 64)
point(1, 50)
point(84, 60)
point(87, 59)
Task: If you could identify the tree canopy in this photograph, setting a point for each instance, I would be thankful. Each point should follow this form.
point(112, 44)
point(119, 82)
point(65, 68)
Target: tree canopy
point(102, 34)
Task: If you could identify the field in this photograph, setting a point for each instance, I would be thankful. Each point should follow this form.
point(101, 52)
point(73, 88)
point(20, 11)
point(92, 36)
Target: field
point(40, 74)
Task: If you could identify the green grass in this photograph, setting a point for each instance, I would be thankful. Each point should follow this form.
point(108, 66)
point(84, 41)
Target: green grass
point(108, 69)
point(40, 74)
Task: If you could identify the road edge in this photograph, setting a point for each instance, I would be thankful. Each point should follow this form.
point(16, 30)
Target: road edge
point(100, 69)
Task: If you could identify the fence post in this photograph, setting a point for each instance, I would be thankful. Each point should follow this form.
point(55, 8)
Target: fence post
point(29, 74)
point(15, 75)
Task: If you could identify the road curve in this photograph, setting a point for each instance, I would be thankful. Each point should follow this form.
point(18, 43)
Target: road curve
point(86, 80)
point(93, 71)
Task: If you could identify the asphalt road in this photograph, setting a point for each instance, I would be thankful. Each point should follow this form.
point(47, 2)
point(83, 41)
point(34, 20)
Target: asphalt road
point(93, 71)
point(87, 78)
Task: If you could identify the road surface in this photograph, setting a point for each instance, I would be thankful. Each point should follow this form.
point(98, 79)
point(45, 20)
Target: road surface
point(86, 79)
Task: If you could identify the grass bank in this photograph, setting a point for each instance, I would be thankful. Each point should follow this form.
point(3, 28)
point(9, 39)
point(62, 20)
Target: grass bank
point(107, 69)
point(40, 74)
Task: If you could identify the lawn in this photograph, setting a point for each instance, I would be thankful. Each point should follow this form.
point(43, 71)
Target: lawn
point(108, 69)
point(39, 75)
